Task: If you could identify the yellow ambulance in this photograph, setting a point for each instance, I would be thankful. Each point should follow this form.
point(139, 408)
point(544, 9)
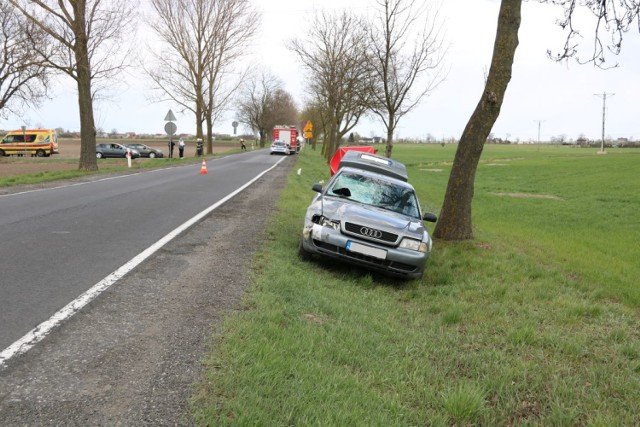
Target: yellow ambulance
point(33, 142)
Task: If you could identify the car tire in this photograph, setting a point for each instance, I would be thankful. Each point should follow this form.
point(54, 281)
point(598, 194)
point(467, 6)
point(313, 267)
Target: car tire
point(302, 253)
point(99, 155)
point(40, 153)
point(152, 155)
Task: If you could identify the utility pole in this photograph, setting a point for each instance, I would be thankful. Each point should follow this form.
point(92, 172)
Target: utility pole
point(539, 123)
point(603, 95)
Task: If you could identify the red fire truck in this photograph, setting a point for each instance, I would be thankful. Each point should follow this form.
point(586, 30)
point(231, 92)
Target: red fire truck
point(288, 134)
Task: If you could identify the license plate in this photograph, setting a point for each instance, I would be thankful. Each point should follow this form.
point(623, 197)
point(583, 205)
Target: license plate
point(366, 250)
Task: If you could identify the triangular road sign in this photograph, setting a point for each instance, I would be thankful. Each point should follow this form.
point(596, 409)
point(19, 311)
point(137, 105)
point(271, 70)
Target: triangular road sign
point(308, 127)
point(170, 117)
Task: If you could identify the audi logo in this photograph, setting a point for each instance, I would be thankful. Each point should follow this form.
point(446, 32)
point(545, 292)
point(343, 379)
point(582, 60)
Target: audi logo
point(370, 232)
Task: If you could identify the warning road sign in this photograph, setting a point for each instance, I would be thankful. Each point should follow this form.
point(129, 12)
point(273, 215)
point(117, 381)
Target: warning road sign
point(308, 127)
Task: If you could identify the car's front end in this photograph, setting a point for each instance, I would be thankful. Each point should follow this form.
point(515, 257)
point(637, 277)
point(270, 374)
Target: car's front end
point(372, 235)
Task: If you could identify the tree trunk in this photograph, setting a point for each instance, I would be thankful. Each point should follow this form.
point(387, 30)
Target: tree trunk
point(333, 143)
point(263, 138)
point(209, 122)
point(455, 218)
point(390, 129)
point(88, 161)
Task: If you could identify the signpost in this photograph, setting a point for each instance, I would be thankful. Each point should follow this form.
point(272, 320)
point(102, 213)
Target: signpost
point(128, 155)
point(170, 128)
point(235, 126)
point(308, 130)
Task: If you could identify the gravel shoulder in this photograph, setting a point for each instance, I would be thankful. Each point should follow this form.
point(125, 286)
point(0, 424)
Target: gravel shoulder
point(130, 357)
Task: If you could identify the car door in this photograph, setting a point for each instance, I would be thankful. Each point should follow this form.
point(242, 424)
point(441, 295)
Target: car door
point(116, 150)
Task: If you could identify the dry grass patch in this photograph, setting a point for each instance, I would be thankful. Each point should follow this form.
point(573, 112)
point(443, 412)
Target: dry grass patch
point(528, 196)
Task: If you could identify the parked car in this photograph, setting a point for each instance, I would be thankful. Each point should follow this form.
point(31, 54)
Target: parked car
point(368, 215)
point(114, 150)
point(280, 147)
point(146, 151)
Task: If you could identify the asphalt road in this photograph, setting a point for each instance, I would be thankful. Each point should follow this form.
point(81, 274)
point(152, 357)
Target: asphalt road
point(132, 355)
point(57, 243)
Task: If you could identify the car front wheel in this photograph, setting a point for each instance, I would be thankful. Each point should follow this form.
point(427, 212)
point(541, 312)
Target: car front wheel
point(99, 155)
point(152, 155)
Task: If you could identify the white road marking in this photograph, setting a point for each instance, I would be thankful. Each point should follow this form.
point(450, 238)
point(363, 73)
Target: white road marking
point(75, 184)
point(38, 333)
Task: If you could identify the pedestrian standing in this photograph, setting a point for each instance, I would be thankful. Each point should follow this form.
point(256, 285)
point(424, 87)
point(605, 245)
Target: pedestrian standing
point(242, 146)
point(181, 147)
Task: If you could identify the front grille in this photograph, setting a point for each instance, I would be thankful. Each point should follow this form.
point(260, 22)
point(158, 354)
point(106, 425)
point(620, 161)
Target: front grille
point(386, 265)
point(356, 229)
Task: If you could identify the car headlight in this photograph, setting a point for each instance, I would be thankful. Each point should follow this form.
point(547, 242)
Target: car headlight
point(414, 245)
point(326, 222)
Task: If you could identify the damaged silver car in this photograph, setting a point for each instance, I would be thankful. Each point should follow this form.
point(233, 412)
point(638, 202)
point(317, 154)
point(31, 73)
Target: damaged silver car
point(369, 215)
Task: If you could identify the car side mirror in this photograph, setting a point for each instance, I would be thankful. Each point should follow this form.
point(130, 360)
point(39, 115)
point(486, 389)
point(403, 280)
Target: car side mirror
point(317, 187)
point(430, 217)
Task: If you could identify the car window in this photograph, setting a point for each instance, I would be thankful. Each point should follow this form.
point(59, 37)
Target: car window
point(376, 192)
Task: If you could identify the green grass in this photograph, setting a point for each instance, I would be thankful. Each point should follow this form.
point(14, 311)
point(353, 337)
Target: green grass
point(533, 323)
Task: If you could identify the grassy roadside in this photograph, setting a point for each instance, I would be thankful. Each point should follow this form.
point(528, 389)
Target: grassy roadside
point(536, 322)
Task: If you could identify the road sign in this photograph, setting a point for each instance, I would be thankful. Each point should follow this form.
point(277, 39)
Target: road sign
point(170, 128)
point(308, 134)
point(170, 117)
point(308, 127)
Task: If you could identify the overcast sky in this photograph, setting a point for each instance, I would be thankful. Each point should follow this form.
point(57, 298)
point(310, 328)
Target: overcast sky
point(554, 99)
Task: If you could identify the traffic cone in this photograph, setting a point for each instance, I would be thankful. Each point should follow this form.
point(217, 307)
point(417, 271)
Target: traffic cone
point(203, 169)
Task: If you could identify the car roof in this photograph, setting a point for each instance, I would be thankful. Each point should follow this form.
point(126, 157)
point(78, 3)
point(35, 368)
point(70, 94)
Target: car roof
point(374, 163)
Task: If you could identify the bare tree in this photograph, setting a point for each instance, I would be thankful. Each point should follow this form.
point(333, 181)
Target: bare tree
point(614, 16)
point(336, 57)
point(264, 103)
point(23, 77)
point(206, 39)
point(230, 45)
point(254, 102)
point(283, 109)
point(406, 45)
point(88, 36)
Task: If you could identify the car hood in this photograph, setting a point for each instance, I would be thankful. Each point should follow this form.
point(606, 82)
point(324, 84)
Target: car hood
point(372, 216)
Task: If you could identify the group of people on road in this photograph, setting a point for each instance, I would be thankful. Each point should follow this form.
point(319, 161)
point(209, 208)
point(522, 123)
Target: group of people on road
point(181, 145)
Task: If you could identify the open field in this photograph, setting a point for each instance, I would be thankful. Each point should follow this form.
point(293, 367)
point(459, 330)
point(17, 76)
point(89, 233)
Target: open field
point(67, 160)
point(536, 322)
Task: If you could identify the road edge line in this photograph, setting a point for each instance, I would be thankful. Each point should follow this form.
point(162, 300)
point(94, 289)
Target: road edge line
point(37, 334)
